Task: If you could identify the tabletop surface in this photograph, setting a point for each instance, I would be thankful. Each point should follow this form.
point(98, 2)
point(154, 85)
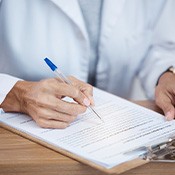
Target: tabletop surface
point(21, 156)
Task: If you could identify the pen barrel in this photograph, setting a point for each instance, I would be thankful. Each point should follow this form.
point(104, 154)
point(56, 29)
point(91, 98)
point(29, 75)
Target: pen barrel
point(62, 77)
point(93, 111)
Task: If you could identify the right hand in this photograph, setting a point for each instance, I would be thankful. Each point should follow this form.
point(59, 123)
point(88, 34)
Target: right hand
point(43, 101)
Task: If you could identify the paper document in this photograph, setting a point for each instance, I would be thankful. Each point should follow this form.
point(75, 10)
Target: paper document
point(126, 127)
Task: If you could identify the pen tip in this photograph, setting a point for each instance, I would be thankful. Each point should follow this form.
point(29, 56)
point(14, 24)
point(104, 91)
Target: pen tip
point(50, 64)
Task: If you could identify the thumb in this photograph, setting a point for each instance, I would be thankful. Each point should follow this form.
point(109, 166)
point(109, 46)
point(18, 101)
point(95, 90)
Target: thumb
point(90, 97)
point(169, 113)
point(167, 108)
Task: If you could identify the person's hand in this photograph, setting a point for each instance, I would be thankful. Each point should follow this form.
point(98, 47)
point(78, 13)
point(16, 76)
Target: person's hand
point(43, 101)
point(165, 94)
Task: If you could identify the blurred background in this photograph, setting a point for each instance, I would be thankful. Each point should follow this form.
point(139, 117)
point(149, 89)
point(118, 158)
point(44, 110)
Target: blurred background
point(137, 91)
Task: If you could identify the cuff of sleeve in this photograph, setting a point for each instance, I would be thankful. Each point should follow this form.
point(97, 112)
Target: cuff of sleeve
point(7, 83)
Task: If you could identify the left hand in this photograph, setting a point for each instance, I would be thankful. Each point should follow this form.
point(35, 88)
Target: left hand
point(165, 94)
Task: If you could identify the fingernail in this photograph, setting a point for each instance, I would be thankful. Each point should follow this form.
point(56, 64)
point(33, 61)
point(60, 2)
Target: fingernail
point(168, 116)
point(86, 102)
point(91, 100)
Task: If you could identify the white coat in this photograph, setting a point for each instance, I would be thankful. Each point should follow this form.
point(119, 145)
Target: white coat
point(31, 30)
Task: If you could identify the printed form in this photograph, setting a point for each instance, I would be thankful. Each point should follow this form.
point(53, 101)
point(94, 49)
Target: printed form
point(126, 127)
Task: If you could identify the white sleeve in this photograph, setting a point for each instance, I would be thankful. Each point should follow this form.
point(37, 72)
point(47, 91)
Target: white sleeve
point(6, 84)
point(161, 54)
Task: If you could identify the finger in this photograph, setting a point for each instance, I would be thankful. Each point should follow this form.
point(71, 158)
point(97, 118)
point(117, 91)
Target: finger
point(55, 104)
point(72, 109)
point(72, 92)
point(62, 106)
point(164, 102)
point(62, 89)
point(170, 114)
point(44, 123)
point(89, 96)
point(87, 89)
point(54, 115)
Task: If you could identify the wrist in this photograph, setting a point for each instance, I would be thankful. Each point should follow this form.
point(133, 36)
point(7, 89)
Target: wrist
point(169, 72)
point(14, 99)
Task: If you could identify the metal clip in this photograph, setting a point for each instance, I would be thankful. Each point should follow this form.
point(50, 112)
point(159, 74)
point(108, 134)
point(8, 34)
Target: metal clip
point(154, 152)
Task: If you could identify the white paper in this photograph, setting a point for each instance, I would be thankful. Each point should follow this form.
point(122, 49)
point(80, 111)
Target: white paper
point(126, 127)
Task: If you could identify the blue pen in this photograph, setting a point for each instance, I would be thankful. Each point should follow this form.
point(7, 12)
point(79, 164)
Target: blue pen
point(60, 75)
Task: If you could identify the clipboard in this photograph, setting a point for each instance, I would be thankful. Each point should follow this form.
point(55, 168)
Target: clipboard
point(153, 153)
point(115, 170)
point(149, 154)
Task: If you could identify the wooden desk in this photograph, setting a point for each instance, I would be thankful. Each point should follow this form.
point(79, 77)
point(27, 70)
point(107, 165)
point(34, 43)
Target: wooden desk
point(20, 156)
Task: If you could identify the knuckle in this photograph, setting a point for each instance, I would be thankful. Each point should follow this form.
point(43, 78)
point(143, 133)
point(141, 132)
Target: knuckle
point(63, 125)
point(46, 82)
point(41, 123)
point(76, 93)
point(89, 87)
point(43, 83)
